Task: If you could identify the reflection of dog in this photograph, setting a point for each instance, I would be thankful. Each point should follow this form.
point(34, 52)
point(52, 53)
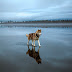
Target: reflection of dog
point(34, 36)
point(34, 54)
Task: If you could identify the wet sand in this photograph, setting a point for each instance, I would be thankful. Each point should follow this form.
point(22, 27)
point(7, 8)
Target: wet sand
point(54, 55)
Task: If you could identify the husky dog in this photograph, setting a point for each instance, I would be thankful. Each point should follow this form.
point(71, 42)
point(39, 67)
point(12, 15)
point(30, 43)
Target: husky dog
point(34, 36)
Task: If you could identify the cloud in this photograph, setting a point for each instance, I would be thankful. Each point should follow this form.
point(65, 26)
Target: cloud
point(56, 12)
point(53, 10)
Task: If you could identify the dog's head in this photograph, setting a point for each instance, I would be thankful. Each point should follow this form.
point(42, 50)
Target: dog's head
point(38, 31)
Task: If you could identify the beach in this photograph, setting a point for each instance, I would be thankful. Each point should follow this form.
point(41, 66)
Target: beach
point(54, 55)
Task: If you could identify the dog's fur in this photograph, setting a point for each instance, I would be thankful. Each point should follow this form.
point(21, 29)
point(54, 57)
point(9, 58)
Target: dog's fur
point(34, 36)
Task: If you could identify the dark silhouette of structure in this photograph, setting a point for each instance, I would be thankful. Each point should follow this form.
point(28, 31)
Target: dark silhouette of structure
point(34, 54)
point(40, 21)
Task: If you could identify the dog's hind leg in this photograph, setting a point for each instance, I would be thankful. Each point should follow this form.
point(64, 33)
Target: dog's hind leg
point(28, 42)
point(32, 42)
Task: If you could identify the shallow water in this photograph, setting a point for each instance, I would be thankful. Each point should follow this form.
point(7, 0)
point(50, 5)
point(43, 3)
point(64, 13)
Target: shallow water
point(42, 25)
point(54, 55)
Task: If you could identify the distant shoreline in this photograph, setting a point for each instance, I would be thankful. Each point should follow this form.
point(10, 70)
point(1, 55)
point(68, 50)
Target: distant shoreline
point(40, 21)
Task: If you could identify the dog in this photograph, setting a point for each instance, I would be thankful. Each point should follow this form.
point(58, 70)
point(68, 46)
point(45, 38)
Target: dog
point(34, 36)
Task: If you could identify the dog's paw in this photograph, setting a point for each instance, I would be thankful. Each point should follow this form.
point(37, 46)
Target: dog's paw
point(39, 45)
point(32, 44)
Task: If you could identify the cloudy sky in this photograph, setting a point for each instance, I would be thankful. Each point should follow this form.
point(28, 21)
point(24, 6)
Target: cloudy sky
point(35, 9)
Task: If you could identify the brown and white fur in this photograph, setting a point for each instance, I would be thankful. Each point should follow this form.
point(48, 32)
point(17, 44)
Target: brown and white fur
point(34, 36)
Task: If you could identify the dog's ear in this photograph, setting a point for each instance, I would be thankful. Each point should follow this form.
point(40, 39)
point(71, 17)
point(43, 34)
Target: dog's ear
point(40, 29)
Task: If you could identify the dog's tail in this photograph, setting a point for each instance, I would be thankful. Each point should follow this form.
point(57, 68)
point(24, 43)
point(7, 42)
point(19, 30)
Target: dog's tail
point(27, 35)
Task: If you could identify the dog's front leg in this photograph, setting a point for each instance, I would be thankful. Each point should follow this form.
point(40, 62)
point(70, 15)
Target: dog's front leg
point(34, 42)
point(39, 43)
